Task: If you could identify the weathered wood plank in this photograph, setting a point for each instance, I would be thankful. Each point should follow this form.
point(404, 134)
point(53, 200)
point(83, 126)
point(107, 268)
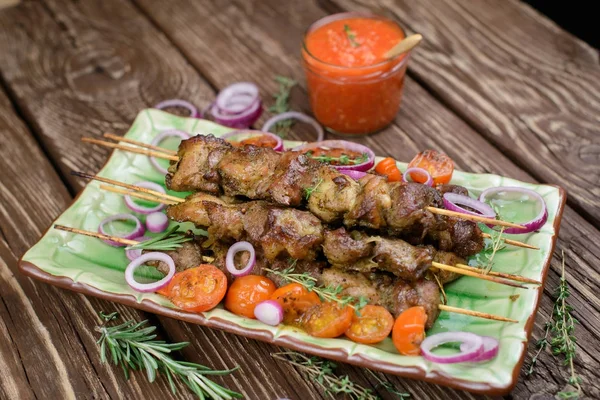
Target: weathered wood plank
point(259, 34)
point(529, 87)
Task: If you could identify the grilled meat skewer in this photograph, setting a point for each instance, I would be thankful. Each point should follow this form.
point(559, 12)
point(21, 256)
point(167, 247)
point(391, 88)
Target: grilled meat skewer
point(293, 179)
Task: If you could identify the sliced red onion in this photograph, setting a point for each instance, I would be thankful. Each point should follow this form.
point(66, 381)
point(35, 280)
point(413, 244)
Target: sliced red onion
point(229, 260)
point(419, 172)
point(157, 222)
point(356, 175)
point(454, 201)
point(154, 286)
point(237, 97)
point(137, 231)
point(142, 209)
point(133, 254)
point(179, 103)
point(269, 312)
point(240, 135)
point(295, 115)
point(159, 138)
point(473, 347)
point(530, 226)
point(343, 144)
point(240, 120)
point(490, 349)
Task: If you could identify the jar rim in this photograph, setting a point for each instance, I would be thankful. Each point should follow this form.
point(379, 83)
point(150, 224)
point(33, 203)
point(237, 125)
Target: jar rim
point(335, 17)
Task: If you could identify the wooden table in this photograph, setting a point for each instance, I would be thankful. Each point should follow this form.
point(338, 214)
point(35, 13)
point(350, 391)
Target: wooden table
point(495, 85)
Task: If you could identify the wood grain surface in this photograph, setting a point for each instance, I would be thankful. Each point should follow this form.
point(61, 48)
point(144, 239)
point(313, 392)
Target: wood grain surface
point(82, 68)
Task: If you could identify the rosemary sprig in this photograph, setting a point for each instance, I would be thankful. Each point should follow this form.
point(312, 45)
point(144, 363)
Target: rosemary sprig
point(309, 190)
point(281, 104)
point(327, 293)
point(321, 371)
point(132, 346)
point(351, 36)
point(344, 159)
point(168, 240)
point(560, 335)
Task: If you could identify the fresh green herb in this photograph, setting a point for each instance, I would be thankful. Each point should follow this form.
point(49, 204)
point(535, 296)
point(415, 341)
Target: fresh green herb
point(485, 258)
point(168, 240)
point(321, 371)
point(560, 335)
point(309, 191)
point(281, 104)
point(351, 36)
point(389, 387)
point(132, 346)
point(344, 159)
point(327, 293)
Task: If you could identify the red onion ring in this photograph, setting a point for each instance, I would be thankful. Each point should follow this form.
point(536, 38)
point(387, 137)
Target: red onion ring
point(179, 103)
point(159, 138)
point(137, 231)
point(229, 259)
point(344, 144)
point(356, 175)
point(295, 115)
point(154, 286)
point(237, 97)
point(530, 226)
point(454, 201)
point(241, 120)
point(473, 347)
point(142, 209)
point(490, 349)
point(245, 134)
point(418, 171)
point(133, 254)
point(157, 222)
point(269, 312)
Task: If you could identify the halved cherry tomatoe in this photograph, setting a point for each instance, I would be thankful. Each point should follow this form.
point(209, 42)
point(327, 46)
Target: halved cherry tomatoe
point(246, 292)
point(327, 320)
point(409, 331)
point(438, 164)
point(295, 300)
point(197, 289)
point(372, 325)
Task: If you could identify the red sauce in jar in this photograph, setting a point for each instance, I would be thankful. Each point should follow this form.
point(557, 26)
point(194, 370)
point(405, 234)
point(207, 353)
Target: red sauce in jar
point(352, 87)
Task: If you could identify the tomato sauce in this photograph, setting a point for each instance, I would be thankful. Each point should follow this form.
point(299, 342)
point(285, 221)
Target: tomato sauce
point(352, 87)
point(337, 156)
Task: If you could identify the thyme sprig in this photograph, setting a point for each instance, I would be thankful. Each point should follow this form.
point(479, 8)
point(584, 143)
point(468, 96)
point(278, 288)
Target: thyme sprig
point(389, 387)
point(281, 105)
point(166, 241)
point(485, 258)
point(344, 159)
point(351, 36)
point(321, 371)
point(326, 293)
point(560, 336)
point(132, 346)
point(310, 190)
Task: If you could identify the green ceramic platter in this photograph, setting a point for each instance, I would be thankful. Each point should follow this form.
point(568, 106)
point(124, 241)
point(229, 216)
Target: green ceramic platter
point(92, 267)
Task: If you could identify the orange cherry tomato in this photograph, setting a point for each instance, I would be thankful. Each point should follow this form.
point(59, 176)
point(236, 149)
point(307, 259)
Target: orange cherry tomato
point(388, 167)
point(372, 326)
point(295, 300)
point(439, 166)
point(328, 320)
point(197, 289)
point(246, 292)
point(409, 331)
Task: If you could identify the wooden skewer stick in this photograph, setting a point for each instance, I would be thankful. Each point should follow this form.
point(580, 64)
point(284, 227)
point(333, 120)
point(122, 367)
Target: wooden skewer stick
point(117, 239)
point(138, 143)
point(517, 278)
point(131, 149)
point(457, 310)
point(477, 275)
point(475, 218)
point(128, 186)
point(512, 242)
point(138, 195)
